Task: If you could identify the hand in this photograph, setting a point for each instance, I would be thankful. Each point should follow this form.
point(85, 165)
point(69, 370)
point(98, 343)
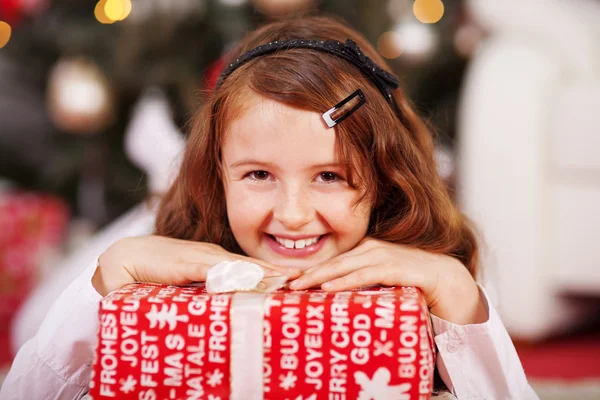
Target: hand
point(450, 291)
point(165, 260)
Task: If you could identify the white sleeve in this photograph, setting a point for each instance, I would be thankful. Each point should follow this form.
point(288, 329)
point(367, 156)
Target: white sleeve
point(56, 363)
point(479, 361)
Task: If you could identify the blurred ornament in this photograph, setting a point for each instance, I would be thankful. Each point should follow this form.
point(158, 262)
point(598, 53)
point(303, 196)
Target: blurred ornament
point(79, 98)
point(11, 11)
point(417, 42)
point(5, 33)
point(152, 140)
point(467, 39)
point(428, 11)
point(388, 45)
point(34, 6)
point(282, 7)
point(212, 73)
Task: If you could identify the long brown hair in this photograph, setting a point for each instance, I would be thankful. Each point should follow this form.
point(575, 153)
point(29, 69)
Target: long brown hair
point(388, 157)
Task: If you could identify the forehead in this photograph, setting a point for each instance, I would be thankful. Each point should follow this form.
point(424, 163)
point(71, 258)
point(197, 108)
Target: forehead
point(271, 131)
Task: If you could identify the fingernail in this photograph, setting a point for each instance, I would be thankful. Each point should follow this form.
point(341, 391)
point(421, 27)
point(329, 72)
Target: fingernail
point(294, 284)
point(310, 269)
point(327, 286)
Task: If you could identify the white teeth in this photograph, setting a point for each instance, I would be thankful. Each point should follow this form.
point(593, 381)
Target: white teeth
point(298, 244)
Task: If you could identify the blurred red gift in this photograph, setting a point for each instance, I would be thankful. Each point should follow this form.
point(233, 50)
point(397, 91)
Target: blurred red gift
point(169, 342)
point(30, 226)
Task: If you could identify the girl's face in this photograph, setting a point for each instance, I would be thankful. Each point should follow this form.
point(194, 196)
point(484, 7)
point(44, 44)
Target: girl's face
point(288, 202)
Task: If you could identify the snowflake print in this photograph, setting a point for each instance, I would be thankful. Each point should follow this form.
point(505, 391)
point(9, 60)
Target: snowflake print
point(166, 315)
point(216, 378)
point(128, 385)
point(287, 381)
point(379, 387)
point(213, 397)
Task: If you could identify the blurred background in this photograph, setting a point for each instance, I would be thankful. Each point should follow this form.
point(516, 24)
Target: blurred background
point(95, 97)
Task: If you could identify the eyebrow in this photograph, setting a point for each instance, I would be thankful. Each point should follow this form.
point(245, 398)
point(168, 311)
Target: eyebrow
point(246, 162)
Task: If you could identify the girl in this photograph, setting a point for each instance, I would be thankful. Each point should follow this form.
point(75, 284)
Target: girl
point(307, 160)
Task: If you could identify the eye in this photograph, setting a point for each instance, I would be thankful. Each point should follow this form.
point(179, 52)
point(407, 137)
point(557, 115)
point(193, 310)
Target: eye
point(329, 177)
point(258, 175)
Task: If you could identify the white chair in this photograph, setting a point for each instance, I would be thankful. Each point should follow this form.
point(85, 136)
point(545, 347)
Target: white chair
point(529, 158)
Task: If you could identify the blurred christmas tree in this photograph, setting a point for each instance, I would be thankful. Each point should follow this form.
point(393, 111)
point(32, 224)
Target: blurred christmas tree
point(59, 53)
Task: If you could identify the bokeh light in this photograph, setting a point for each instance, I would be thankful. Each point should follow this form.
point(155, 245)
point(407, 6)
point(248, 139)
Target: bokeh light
point(5, 33)
point(113, 9)
point(79, 97)
point(100, 14)
point(428, 11)
point(126, 9)
point(110, 11)
point(418, 42)
point(388, 45)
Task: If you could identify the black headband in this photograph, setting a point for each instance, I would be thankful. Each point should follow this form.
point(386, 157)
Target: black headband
point(349, 51)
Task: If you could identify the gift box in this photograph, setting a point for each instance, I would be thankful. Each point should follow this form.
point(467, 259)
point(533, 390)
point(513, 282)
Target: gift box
point(32, 227)
point(170, 342)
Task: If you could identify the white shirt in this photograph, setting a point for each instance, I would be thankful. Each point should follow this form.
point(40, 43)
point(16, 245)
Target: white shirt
point(475, 361)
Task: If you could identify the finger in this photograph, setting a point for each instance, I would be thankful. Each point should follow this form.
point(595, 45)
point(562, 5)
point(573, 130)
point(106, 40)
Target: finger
point(332, 269)
point(361, 248)
point(198, 272)
point(273, 269)
point(281, 271)
point(209, 255)
point(357, 278)
point(189, 272)
point(215, 254)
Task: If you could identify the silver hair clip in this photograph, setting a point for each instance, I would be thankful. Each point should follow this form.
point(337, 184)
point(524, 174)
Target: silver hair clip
point(327, 115)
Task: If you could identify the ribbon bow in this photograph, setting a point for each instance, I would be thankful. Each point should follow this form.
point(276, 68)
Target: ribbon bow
point(382, 78)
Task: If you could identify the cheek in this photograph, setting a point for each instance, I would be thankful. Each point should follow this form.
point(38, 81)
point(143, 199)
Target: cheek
point(245, 210)
point(345, 219)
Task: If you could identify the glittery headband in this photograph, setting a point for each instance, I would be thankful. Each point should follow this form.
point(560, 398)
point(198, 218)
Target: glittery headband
point(349, 51)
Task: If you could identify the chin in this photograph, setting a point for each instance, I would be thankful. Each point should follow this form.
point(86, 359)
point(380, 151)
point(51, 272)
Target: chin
point(299, 264)
point(302, 266)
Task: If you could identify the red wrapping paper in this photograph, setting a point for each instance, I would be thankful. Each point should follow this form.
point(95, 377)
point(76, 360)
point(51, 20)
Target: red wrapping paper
point(31, 224)
point(168, 342)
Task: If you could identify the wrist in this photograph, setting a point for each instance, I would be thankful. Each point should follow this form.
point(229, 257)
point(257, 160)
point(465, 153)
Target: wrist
point(460, 301)
point(464, 310)
point(110, 275)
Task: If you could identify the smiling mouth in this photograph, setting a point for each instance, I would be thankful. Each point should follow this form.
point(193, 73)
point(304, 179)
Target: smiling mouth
point(297, 244)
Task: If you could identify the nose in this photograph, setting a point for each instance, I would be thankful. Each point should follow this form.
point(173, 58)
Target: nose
point(293, 208)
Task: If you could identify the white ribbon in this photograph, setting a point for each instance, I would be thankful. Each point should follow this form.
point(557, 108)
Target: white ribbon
point(246, 351)
point(246, 315)
point(238, 275)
